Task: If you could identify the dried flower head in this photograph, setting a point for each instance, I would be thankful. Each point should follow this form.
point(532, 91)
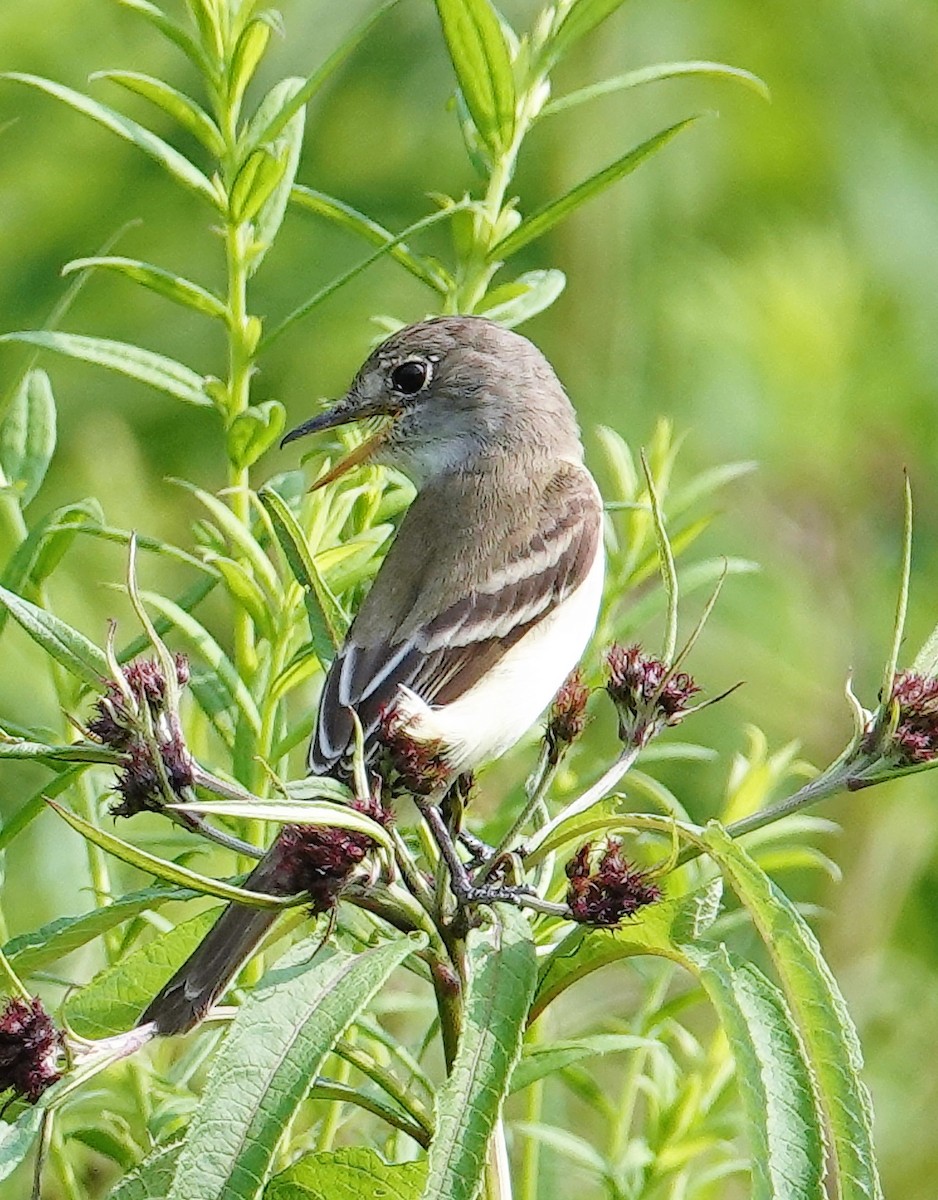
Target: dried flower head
point(29, 1049)
point(116, 717)
point(140, 780)
point(320, 860)
point(916, 736)
point(605, 887)
point(567, 716)
point(409, 765)
point(646, 693)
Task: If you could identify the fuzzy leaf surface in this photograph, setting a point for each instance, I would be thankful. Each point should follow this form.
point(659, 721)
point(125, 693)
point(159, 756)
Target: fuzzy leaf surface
point(352, 1173)
point(276, 1046)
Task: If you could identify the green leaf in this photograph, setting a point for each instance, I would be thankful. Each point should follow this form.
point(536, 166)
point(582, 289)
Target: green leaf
point(208, 650)
point(170, 30)
point(260, 132)
point(169, 872)
point(328, 622)
point(17, 1138)
point(40, 552)
point(66, 645)
point(352, 1173)
point(782, 1122)
point(300, 812)
point(583, 17)
point(502, 971)
point(671, 70)
point(113, 1001)
point(152, 1178)
point(164, 374)
point(30, 809)
point(524, 298)
point(346, 217)
point(164, 283)
point(254, 431)
point(240, 538)
point(540, 1061)
point(547, 217)
point(27, 436)
point(248, 52)
point(176, 164)
point(182, 108)
point(330, 288)
point(481, 59)
point(242, 587)
point(275, 1048)
point(830, 1041)
point(656, 929)
point(31, 952)
point(287, 148)
point(86, 752)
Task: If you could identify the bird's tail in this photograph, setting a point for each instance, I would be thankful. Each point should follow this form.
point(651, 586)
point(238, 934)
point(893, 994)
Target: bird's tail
point(206, 973)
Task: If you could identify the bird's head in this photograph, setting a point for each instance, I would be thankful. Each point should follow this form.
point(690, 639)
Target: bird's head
point(450, 393)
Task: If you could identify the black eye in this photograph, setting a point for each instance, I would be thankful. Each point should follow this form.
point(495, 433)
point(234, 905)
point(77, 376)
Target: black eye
point(409, 377)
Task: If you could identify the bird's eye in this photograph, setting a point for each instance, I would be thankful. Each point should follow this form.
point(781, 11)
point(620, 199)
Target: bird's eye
point(410, 377)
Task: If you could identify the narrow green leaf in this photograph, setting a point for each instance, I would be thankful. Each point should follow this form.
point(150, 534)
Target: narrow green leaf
point(828, 1035)
point(169, 872)
point(171, 31)
point(182, 108)
point(547, 217)
point(352, 1173)
point(40, 552)
point(541, 1061)
point(27, 436)
point(18, 1137)
point(248, 52)
point(260, 133)
point(276, 1046)
point(671, 70)
point(152, 1178)
point(524, 298)
point(254, 431)
point(87, 752)
point(481, 59)
point(30, 809)
point(339, 213)
point(287, 147)
point(583, 17)
point(340, 281)
point(164, 283)
point(902, 601)
point(160, 372)
point(31, 952)
point(301, 812)
point(176, 164)
point(782, 1122)
point(66, 645)
point(502, 976)
point(208, 650)
point(113, 1001)
point(328, 621)
point(240, 538)
point(242, 587)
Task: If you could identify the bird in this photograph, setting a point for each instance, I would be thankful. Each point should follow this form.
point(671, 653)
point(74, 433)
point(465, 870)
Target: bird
point(484, 603)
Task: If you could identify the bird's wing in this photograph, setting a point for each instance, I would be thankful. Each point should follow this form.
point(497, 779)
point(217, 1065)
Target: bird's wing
point(440, 649)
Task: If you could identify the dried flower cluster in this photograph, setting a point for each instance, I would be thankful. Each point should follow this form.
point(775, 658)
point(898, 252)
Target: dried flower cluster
point(320, 860)
point(133, 716)
point(646, 693)
point(605, 887)
point(29, 1049)
point(916, 736)
point(406, 764)
point(567, 716)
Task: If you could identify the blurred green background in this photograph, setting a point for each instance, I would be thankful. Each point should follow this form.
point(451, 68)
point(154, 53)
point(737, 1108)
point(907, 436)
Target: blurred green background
point(768, 282)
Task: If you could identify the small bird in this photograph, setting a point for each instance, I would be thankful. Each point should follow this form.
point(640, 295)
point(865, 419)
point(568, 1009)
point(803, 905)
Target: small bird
point(485, 601)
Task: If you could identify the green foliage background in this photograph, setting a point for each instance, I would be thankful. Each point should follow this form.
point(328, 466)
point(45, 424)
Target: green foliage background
point(767, 282)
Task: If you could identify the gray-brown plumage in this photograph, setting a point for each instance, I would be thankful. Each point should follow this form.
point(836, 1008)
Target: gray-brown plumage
point(486, 598)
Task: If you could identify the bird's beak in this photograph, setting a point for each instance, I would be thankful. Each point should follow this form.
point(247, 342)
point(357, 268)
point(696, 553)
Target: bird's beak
point(342, 413)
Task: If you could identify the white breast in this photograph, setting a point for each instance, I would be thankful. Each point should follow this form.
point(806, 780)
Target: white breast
point(498, 710)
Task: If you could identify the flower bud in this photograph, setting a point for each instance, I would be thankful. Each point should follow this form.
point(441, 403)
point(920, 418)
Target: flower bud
point(29, 1049)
